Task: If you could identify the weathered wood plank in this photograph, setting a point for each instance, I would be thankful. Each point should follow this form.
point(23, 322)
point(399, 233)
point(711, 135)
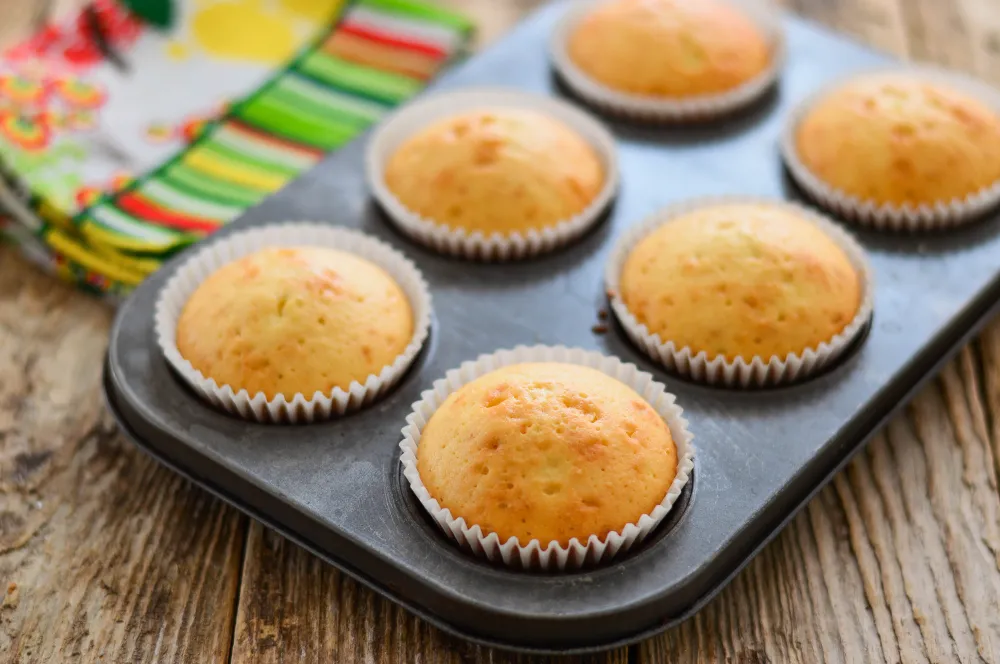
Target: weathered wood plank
point(294, 607)
point(982, 20)
point(989, 346)
point(104, 555)
point(878, 23)
point(938, 32)
point(492, 18)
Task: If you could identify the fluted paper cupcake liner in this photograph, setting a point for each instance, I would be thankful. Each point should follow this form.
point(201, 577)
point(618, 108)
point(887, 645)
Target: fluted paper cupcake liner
point(291, 408)
point(887, 216)
point(651, 108)
point(535, 554)
point(742, 372)
point(477, 245)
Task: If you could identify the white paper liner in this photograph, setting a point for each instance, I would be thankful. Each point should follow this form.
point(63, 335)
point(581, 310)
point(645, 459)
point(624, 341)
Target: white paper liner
point(887, 216)
point(743, 372)
point(297, 408)
point(651, 108)
point(475, 245)
point(533, 554)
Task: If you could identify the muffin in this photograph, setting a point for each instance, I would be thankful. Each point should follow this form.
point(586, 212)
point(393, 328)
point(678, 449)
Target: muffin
point(739, 280)
point(547, 451)
point(894, 139)
point(496, 171)
point(294, 320)
point(670, 49)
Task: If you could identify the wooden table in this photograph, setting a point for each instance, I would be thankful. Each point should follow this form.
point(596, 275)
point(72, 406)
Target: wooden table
point(106, 557)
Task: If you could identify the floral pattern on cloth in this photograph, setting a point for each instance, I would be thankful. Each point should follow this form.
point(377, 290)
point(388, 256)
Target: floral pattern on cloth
point(73, 42)
point(114, 168)
point(45, 117)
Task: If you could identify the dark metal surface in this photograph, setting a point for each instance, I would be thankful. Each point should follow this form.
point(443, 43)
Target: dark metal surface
point(336, 487)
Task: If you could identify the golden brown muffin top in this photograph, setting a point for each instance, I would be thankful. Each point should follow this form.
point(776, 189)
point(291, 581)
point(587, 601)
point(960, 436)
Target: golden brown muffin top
point(547, 451)
point(501, 170)
point(295, 320)
point(895, 139)
point(741, 280)
point(669, 48)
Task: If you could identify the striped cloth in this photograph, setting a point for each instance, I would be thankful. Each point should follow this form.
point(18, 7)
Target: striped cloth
point(379, 54)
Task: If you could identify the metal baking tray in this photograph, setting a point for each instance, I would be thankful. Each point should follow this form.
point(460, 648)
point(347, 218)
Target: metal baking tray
point(336, 488)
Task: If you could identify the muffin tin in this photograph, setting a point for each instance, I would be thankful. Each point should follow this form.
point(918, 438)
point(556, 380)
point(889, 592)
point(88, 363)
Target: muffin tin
point(337, 488)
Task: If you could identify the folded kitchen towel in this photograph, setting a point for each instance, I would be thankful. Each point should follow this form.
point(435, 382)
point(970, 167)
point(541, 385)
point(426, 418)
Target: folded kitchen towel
point(121, 144)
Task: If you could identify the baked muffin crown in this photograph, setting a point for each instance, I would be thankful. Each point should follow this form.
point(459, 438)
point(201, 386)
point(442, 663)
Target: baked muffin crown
point(502, 170)
point(547, 451)
point(741, 280)
point(898, 139)
point(672, 49)
point(294, 320)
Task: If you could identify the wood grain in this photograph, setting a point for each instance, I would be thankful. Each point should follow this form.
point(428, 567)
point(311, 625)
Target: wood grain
point(105, 557)
point(875, 22)
point(492, 17)
point(294, 607)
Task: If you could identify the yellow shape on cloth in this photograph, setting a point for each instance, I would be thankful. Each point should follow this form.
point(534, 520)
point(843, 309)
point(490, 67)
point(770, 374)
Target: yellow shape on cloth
point(245, 30)
point(318, 11)
point(177, 51)
point(118, 242)
point(73, 250)
point(234, 173)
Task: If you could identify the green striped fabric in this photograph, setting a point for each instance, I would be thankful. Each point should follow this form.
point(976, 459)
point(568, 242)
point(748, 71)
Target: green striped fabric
point(379, 54)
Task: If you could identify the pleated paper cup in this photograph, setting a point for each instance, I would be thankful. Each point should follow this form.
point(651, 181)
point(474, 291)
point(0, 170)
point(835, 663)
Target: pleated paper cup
point(753, 371)
point(535, 554)
point(290, 408)
point(650, 108)
point(416, 116)
point(888, 216)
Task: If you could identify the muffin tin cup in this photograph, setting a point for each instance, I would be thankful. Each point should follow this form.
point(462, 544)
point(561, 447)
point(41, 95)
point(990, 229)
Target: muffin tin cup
point(648, 108)
point(743, 372)
point(476, 245)
point(294, 408)
point(534, 554)
point(889, 217)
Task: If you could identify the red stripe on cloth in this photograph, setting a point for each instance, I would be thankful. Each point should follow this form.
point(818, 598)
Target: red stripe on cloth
point(392, 40)
point(255, 134)
point(138, 206)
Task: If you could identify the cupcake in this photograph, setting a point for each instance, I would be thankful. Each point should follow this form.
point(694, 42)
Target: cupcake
point(630, 55)
point(892, 141)
point(295, 320)
point(545, 455)
point(755, 289)
point(492, 174)
point(266, 326)
point(496, 171)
